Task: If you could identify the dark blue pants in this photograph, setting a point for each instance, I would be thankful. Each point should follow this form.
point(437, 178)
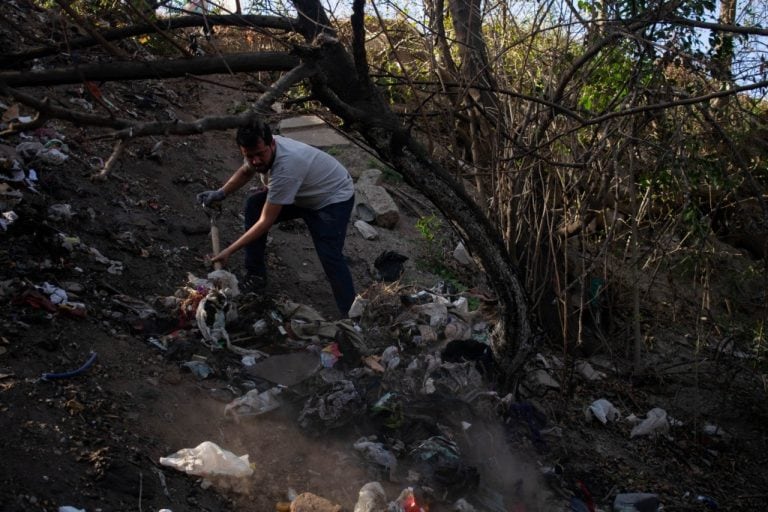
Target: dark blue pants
point(328, 227)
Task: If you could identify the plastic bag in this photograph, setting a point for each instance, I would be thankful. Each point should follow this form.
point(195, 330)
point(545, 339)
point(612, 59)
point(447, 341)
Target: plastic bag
point(377, 453)
point(253, 403)
point(655, 422)
point(636, 502)
point(211, 462)
point(603, 410)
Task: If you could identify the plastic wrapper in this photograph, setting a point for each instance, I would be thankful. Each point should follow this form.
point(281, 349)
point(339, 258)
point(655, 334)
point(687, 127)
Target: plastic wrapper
point(603, 410)
point(655, 423)
point(253, 403)
point(217, 466)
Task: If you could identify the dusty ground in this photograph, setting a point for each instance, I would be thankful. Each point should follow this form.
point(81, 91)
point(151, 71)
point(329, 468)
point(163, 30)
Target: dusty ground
point(93, 441)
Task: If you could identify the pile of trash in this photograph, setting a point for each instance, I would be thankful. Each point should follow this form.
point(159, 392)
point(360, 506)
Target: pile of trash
point(20, 167)
point(413, 368)
point(383, 368)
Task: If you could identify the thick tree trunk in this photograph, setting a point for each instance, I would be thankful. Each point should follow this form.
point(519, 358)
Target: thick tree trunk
point(722, 58)
point(478, 102)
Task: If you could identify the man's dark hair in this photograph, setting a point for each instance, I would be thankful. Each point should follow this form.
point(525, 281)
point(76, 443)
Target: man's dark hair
point(255, 131)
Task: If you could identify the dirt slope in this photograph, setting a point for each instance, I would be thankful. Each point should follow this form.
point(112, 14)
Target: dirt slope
point(94, 440)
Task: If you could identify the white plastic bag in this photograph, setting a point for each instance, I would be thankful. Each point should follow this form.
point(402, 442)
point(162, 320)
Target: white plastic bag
point(587, 371)
point(254, 403)
point(655, 422)
point(603, 410)
point(211, 462)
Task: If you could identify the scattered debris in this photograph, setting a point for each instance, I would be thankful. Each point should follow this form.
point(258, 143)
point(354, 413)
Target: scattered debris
point(377, 452)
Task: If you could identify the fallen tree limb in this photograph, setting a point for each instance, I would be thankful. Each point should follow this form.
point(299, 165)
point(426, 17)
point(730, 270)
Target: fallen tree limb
point(45, 107)
point(207, 65)
point(131, 129)
point(119, 148)
point(220, 122)
point(265, 22)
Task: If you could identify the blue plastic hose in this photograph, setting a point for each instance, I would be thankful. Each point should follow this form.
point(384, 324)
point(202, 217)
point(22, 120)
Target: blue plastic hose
point(73, 373)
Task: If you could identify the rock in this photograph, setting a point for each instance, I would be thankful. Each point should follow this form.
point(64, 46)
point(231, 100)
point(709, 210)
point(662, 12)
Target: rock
point(308, 502)
point(461, 255)
point(370, 177)
point(374, 202)
point(585, 370)
point(385, 211)
point(364, 213)
point(366, 230)
point(540, 378)
point(73, 287)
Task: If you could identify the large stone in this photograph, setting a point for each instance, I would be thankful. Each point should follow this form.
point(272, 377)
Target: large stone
point(385, 212)
point(461, 255)
point(370, 177)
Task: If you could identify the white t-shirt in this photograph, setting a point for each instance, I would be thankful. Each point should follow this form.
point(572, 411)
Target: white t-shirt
point(306, 177)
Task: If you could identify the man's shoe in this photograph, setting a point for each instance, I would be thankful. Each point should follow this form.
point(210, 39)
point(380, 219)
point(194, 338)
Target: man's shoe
point(253, 283)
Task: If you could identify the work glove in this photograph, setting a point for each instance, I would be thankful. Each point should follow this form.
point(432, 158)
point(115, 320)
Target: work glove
point(211, 196)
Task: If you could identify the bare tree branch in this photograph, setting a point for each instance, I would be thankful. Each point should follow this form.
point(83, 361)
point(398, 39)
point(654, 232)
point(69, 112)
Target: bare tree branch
point(267, 22)
point(693, 100)
point(51, 111)
point(113, 158)
point(219, 122)
point(235, 62)
point(720, 27)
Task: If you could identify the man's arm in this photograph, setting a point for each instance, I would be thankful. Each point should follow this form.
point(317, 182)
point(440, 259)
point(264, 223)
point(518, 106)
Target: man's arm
point(235, 182)
point(268, 216)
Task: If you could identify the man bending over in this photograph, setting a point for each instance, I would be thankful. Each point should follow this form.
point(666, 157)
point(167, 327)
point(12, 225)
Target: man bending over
point(302, 182)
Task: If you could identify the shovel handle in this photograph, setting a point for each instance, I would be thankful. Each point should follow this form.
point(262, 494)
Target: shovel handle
point(215, 244)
